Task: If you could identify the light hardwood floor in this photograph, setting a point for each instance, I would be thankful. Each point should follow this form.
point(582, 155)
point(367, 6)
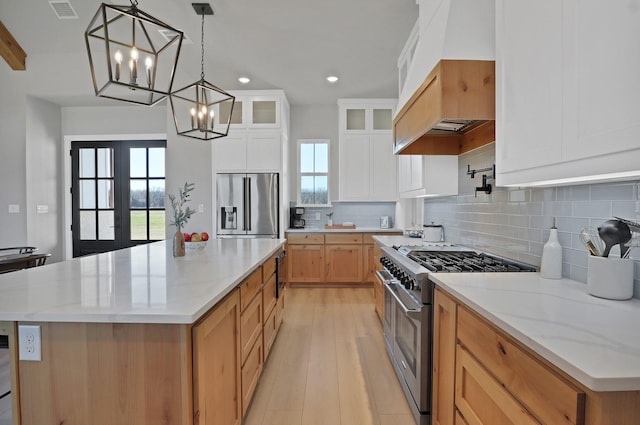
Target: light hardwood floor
point(328, 365)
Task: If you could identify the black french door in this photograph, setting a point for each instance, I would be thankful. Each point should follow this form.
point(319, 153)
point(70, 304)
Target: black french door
point(118, 194)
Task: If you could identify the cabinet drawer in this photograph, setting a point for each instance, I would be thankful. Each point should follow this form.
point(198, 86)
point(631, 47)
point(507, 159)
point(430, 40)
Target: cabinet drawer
point(305, 238)
point(250, 287)
point(269, 331)
point(484, 401)
point(251, 371)
point(545, 393)
point(269, 296)
point(344, 238)
point(269, 268)
point(250, 326)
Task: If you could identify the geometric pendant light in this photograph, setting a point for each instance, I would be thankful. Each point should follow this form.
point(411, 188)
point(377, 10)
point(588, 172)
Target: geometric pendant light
point(132, 55)
point(194, 106)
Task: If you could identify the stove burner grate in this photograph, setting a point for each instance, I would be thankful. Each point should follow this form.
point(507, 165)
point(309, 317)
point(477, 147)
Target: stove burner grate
point(465, 261)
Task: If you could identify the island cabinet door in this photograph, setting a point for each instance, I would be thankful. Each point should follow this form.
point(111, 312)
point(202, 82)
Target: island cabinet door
point(216, 365)
point(106, 374)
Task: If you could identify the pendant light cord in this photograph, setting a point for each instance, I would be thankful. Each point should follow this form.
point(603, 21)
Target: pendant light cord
point(202, 47)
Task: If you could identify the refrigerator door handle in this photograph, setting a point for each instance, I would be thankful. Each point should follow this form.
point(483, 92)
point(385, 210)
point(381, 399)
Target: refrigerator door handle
point(247, 203)
point(244, 203)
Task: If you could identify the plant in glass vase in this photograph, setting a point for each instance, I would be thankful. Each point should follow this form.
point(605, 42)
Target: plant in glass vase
point(180, 216)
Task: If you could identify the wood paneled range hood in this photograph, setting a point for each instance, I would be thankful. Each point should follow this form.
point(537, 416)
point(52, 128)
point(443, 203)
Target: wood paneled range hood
point(451, 113)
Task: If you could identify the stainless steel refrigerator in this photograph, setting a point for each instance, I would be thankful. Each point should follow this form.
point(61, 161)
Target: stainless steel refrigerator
point(247, 205)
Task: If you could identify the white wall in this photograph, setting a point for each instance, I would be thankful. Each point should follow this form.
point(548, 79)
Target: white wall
point(12, 155)
point(44, 177)
point(314, 122)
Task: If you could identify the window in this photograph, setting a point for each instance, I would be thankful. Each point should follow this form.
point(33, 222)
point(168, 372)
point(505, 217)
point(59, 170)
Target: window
point(313, 172)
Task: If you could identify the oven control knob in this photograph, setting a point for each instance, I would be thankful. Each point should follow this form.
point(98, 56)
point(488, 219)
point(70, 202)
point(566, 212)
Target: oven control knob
point(408, 283)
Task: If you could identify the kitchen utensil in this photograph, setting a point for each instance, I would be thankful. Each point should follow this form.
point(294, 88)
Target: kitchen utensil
point(433, 232)
point(634, 226)
point(614, 232)
point(634, 242)
point(591, 240)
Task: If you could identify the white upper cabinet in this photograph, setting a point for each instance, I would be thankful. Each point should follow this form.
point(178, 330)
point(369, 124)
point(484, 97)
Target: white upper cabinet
point(253, 110)
point(427, 175)
point(567, 89)
point(367, 166)
point(258, 137)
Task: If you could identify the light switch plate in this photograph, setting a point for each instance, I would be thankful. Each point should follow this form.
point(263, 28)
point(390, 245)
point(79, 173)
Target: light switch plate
point(14, 208)
point(42, 209)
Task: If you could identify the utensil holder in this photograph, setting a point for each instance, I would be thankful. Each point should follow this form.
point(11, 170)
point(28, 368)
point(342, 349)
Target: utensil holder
point(610, 278)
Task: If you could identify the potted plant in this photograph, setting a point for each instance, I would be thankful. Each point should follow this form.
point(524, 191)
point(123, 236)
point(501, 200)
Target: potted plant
point(180, 216)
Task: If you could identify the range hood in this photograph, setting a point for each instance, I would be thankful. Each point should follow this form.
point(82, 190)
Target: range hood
point(452, 112)
point(452, 109)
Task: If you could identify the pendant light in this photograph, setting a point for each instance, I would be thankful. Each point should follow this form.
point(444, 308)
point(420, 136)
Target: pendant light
point(132, 55)
point(194, 106)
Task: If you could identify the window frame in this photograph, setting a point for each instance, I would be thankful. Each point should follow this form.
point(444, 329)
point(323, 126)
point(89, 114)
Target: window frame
point(300, 174)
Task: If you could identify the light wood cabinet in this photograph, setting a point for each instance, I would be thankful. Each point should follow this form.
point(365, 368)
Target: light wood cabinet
point(444, 350)
point(305, 252)
point(250, 326)
point(340, 258)
point(378, 297)
point(344, 263)
point(216, 366)
point(251, 370)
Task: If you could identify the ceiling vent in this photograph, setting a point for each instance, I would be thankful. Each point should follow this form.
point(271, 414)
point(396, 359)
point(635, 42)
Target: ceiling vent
point(63, 10)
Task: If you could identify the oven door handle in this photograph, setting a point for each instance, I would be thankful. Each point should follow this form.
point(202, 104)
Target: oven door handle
point(414, 314)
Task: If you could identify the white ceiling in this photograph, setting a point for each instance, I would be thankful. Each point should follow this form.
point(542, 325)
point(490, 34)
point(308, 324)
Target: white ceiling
point(280, 44)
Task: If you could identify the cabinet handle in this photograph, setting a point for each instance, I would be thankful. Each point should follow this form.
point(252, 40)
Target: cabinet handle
point(501, 348)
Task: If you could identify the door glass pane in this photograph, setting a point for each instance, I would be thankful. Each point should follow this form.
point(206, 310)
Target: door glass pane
point(156, 162)
point(138, 189)
point(87, 194)
point(105, 194)
point(87, 163)
point(138, 162)
point(382, 119)
point(105, 162)
point(156, 193)
point(88, 225)
point(355, 119)
point(106, 226)
point(264, 112)
point(157, 225)
point(138, 225)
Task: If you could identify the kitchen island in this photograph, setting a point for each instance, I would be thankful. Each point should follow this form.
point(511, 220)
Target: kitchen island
point(138, 336)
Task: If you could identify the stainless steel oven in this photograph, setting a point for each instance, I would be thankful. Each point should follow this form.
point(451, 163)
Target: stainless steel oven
point(408, 310)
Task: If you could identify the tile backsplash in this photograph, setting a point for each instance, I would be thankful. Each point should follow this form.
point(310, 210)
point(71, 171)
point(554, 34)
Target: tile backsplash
point(515, 222)
point(362, 214)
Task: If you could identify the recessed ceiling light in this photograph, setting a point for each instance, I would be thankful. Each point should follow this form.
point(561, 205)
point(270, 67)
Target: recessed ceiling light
point(332, 78)
point(244, 80)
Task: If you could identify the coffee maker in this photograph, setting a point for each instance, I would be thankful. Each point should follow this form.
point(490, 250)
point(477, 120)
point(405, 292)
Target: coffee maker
point(295, 217)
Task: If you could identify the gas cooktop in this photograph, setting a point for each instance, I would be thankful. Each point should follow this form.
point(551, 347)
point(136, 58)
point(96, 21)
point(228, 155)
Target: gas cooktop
point(465, 261)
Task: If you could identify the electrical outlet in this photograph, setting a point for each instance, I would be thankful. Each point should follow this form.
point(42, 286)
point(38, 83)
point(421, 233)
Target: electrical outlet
point(29, 345)
point(200, 208)
point(317, 216)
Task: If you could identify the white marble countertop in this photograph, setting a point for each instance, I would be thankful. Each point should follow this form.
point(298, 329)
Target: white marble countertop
point(143, 284)
point(593, 340)
point(356, 230)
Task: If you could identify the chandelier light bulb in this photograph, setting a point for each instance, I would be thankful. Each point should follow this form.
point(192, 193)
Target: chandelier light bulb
point(133, 66)
point(148, 63)
point(118, 58)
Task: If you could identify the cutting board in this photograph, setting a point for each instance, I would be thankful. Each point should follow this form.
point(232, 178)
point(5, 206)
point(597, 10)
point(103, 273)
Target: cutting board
point(339, 226)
